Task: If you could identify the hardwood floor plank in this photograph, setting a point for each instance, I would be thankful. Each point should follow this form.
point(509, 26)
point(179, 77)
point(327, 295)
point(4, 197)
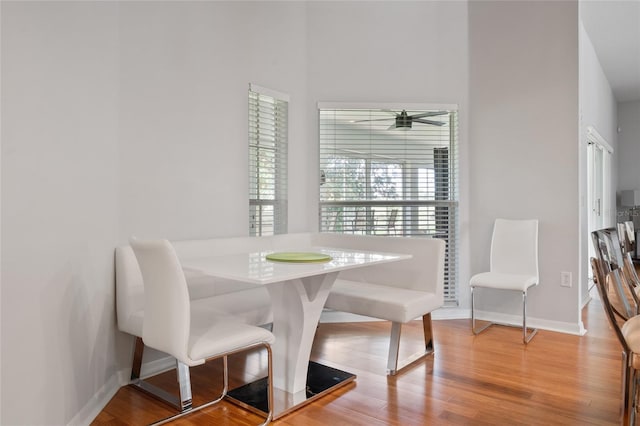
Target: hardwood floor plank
point(489, 379)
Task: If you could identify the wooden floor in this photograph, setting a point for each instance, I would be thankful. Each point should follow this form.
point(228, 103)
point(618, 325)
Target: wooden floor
point(490, 379)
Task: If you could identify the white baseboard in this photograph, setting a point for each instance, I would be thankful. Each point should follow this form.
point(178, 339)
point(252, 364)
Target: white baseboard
point(542, 324)
point(97, 402)
point(329, 316)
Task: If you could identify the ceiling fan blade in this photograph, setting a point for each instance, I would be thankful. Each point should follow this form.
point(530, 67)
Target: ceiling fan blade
point(429, 114)
point(392, 127)
point(376, 119)
point(435, 123)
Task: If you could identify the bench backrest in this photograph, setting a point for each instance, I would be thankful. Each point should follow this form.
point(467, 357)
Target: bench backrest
point(423, 272)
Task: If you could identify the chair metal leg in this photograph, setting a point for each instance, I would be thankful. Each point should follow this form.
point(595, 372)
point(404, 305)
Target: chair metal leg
point(393, 365)
point(184, 381)
point(146, 387)
point(137, 359)
point(184, 403)
point(269, 385)
point(475, 330)
point(427, 330)
point(631, 403)
point(526, 338)
point(394, 348)
point(629, 379)
point(634, 397)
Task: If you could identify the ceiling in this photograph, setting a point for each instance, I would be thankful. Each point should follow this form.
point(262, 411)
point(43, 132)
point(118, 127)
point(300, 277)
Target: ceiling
point(614, 29)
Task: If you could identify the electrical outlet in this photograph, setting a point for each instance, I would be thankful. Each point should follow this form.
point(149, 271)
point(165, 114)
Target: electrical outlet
point(565, 279)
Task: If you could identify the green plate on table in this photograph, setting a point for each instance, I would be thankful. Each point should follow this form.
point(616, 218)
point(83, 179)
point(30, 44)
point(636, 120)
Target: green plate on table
point(298, 257)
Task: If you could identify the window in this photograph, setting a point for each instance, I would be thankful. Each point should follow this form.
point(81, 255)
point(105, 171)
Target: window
point(391, 171)
point(268, 127)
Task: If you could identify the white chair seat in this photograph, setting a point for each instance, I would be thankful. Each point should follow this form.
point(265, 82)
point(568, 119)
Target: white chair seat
point(503, 281)
point(207, 340)
point(379, 301)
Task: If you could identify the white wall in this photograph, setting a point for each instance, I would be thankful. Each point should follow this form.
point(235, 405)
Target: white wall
point(597, 104)
point(59, 207)
point(390, 52)
point(122, 118)
point(184, 74)
point(629, 145)
point(523, 143)
point(597, 110)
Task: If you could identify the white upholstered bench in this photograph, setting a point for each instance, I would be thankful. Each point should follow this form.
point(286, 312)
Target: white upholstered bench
point(398, 292)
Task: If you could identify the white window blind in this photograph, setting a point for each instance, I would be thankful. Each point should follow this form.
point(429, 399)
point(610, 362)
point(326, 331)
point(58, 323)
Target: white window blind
point(268, 128)
point(384, 172)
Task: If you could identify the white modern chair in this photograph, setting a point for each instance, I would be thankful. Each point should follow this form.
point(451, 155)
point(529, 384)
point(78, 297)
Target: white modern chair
point(191, 337)
point(513, 266)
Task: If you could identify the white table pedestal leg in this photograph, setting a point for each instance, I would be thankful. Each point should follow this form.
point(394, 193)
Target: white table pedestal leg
point(297, 305)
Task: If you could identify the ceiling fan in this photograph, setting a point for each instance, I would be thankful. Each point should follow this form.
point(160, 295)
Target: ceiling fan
point(404, 121)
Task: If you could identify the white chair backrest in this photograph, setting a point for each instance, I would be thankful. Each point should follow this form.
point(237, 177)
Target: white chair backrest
point(166, 325)
point(514, 247)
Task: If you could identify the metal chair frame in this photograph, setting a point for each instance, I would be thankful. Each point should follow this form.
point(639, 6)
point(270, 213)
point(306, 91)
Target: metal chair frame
point(526, 334)
point(629, 373)
point(394, 366)
point(183, 403)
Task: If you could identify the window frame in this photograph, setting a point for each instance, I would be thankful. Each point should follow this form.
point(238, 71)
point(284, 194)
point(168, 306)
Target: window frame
point(268, 145)
point(408, 216)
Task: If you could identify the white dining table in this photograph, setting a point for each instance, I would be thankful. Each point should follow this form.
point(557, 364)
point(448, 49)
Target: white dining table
point(298, 293)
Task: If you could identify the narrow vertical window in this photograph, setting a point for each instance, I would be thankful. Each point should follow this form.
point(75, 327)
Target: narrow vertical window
point(268, 128)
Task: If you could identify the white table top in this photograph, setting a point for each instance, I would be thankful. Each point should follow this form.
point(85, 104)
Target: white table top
point(255, 268)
